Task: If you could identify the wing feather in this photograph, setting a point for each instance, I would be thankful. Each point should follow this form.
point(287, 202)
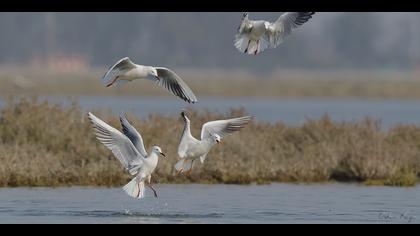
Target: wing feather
point(118, 69)
point(224, 127)
point(133, 135)
point(276, 32)
point(120, 145)
point(170, 81)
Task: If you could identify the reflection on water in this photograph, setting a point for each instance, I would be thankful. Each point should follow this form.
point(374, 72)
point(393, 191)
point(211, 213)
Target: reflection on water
point(289, 111)
point(276, 203)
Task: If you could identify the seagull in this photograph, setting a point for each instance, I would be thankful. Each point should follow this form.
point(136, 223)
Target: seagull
point(254, 37)
point(128, 148)
point(212, 132)
point(125, 70)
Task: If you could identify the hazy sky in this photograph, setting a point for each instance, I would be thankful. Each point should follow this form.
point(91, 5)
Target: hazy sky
point(197, 40)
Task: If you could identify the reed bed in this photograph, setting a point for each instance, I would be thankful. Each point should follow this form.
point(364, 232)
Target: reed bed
point(45, 144)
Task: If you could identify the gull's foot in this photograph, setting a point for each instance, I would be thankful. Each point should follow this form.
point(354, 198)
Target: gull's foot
point(247, 46)
point(188, 173)
point(258, 47)
point(154, 191)
point(113, 81)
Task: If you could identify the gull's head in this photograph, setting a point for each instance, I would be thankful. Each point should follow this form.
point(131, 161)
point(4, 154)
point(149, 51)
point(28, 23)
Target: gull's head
point(184, 116)
point(153, 72)
point(158, 150)
point(216, 138)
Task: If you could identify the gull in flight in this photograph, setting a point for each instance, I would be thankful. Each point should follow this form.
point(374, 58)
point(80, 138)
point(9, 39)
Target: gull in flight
point(128, 148)
point(125, 70)
point(254, 37)
point(212, 132)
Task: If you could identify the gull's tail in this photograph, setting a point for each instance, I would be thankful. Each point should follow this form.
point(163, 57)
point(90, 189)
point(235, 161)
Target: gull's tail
point(135, 188)
point(242, 42)
point(249, 46)
point(183, 165)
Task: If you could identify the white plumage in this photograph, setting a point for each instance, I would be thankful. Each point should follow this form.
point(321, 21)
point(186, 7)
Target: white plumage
point(128, 148)
point(212, 132)
point(255, 36)
point(125, 70)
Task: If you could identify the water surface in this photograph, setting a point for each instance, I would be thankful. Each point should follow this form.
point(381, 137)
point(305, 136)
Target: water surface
point(276, 203)
point(291, 111)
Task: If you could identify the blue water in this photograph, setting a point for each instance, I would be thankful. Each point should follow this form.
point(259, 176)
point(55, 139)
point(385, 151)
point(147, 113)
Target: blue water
point(276, 203)
point(289, 111)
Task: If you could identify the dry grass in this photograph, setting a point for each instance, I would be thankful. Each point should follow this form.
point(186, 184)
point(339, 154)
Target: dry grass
point(45, 144)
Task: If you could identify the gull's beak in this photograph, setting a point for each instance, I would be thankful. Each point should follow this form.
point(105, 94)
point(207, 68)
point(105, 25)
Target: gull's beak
point(163, 154)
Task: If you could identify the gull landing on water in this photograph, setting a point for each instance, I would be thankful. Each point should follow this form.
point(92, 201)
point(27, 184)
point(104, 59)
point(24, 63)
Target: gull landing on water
point(125, 70)
point(254, 37)
point(212, 132)
point(128, 148)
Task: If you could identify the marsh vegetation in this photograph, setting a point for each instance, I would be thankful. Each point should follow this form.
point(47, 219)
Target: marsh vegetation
point(47, 144)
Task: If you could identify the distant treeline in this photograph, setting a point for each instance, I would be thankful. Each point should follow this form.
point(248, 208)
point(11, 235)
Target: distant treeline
point(329, 40)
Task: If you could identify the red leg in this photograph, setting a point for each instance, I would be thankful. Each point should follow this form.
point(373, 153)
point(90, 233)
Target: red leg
point(189, 171)
point(246, 50)
point(258, 47)
point(138, 185)
point(113, 81)
point(182, 168)
point(154, 191)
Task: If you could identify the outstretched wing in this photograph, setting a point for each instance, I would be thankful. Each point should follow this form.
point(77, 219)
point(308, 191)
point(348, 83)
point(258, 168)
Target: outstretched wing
point(133, 135)
point(118, 69)
point(246, 25)
point(174, 84)
point(276, 32)
point(224, 127)
point(244, 29)
point(121, 146)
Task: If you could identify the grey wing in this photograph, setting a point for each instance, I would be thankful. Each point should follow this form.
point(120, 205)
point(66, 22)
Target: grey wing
point(276, 32)
point(174, 84)
point(242, 36)
point(121, 146)
point(133, 135)
point(118, 69)
point(224, 127)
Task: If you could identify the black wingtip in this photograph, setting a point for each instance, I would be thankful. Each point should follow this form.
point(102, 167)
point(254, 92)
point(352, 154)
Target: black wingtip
point(192, 101)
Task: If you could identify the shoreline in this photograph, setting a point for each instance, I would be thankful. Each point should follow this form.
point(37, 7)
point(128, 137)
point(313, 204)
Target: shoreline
point(312, 184)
